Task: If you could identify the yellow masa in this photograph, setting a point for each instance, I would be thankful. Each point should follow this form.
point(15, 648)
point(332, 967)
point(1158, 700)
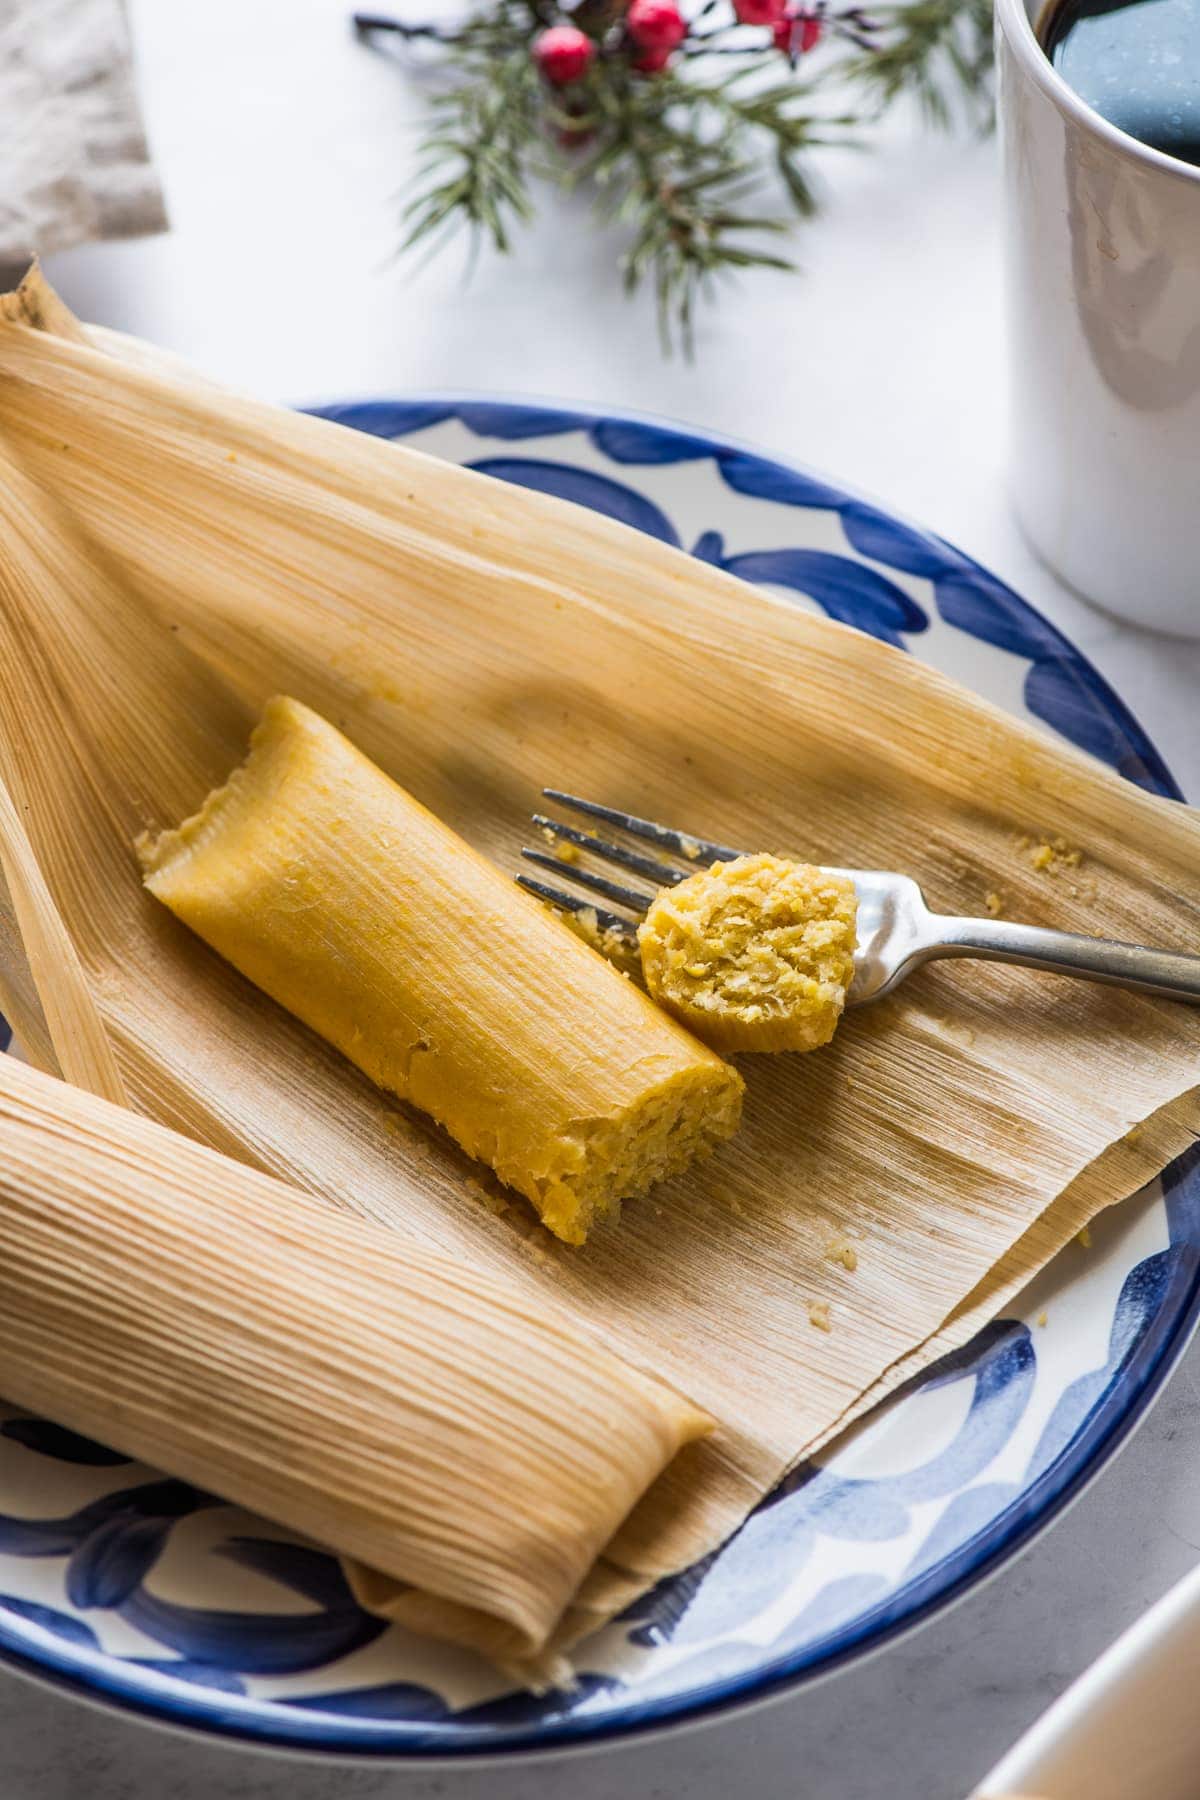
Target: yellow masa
point(339, 895)
point(753, 954)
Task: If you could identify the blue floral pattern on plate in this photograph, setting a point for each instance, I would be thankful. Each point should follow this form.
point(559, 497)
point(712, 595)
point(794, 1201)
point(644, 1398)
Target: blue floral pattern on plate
point(124, 1584)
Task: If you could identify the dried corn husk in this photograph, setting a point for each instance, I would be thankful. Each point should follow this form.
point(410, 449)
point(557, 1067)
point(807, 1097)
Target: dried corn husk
point(477, 641)
point(244, 1336)
point(66, 1002)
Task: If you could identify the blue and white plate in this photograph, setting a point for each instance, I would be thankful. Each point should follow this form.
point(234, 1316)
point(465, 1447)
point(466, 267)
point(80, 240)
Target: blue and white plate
point(119, 1583)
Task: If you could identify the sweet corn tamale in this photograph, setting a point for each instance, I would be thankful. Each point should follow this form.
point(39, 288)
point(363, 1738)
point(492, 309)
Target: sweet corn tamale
point(354, 907)
point(392, 1403)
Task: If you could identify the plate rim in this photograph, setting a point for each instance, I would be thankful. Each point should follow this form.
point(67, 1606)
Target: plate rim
point(92, 1676)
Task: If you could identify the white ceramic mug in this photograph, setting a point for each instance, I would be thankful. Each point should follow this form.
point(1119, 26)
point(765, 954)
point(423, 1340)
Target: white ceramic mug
point(1103, 269)
point(1129, 1728)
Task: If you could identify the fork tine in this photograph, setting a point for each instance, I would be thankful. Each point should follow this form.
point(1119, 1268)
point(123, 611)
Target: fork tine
point(695, 850)
point(599, 884)
point(660, 873)
point(576, 903)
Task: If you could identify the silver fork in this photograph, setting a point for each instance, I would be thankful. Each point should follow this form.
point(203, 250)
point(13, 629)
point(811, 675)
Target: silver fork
point(896, 930)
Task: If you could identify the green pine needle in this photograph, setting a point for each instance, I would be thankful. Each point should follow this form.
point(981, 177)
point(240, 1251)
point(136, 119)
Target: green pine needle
point(940, 51)
point(678, 161)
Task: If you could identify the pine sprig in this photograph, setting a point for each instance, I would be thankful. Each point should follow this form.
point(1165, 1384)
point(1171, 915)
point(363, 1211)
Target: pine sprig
point(680, 152)
point(479, 150)
point(675, 169)
point(940, 51)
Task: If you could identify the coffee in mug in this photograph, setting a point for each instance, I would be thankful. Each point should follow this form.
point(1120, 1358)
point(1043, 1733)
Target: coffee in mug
point(1136, 63)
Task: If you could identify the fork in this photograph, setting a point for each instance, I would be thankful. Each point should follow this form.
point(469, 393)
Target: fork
point(897, 932)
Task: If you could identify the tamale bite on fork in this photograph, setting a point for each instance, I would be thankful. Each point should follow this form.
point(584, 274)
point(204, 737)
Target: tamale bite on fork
point(360, 912)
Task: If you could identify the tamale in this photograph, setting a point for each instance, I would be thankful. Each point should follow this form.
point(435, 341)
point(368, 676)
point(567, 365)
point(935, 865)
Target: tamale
point(171, 555)
point(386, 1401)
point(354, 907)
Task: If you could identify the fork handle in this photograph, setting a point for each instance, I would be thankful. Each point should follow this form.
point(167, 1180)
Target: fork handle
point(1173, 974)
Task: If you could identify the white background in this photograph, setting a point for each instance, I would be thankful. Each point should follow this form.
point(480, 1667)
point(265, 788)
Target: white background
point(282, 145)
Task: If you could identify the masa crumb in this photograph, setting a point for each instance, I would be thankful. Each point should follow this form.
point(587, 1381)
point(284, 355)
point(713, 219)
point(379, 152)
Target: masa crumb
point(994, 903)
point(1135, 1134)
point(818, 1315)
point(586, 925)
point(1084, 1238)
point(562, 848)
point(842, 1251)
point(690, 847)
point(1050, 854)
point(1043, 1318)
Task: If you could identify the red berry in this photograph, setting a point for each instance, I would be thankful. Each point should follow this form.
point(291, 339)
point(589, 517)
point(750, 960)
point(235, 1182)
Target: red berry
point(759, 12)
point(655, 26)
point(563, 53)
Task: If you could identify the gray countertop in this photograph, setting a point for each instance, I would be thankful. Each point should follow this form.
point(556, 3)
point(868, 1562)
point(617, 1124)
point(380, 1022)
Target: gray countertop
point(281, 144)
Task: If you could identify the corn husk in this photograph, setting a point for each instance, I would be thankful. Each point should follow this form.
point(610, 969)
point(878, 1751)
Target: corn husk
point(477, 642)
point(390, 1403)
point(65, 1001)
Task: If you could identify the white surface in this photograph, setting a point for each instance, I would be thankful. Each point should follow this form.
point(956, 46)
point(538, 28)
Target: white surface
point(282, 145)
